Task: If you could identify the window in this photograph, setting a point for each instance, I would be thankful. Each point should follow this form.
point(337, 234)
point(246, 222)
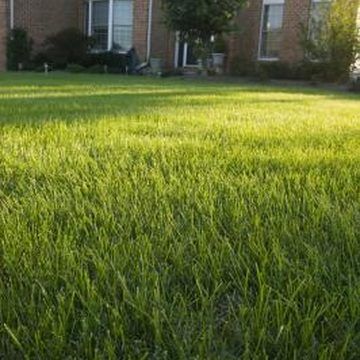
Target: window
point(110, 23)
point(86, 18)
point(185, 55)
point(123, 24)
point(271, 29)
point(318, 12)
point(357, 64)
point(100, 24)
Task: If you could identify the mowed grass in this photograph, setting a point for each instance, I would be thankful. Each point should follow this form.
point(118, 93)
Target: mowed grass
point(170, 219)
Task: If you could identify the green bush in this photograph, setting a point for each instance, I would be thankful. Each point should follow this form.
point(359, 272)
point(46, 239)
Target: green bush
point(96, 69)
point(39, 68)
point(220, 45)
point(305, 70)
point(75, 68)
point(69, 46)
point(19, 47)
point(242, 67)
point(169, 72)
point(114, 62)
point(335, 42)
point(274, 70)
point(309, 70)
point(355, 84)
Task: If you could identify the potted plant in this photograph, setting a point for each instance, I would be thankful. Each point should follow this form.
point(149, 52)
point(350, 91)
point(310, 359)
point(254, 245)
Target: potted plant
point(219, 53)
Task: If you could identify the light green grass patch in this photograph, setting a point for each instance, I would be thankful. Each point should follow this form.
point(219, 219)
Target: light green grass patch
point(169, 219)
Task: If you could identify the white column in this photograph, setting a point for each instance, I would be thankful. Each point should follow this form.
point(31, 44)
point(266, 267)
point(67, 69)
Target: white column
point(90, 18)
point(185, 54)
point(177, 49)
point(149, 31)
point(111, 22)
point(11, 14)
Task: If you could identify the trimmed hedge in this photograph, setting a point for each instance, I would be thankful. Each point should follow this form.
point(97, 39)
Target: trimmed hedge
point(111, 61)
point(306, 70)
point(18, 51)
point(70, 49)
point(355, 84)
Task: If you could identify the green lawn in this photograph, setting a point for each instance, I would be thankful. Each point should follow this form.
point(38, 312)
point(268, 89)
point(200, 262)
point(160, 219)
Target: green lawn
point(175, 219)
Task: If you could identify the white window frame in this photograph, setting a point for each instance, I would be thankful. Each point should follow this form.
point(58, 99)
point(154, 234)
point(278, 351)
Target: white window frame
point(110, 23)
point(357, 64)
point(185, 54)
point(267, 2)
point(315, 2)
point(313, 60)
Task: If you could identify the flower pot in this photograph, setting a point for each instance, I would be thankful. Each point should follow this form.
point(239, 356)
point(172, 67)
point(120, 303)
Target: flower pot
point(218, 60)
point(156, 66)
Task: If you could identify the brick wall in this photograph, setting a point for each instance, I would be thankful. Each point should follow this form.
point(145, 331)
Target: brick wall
point(296, 13)
point(3, 33)
point(42, 18)
point(244, 44)
point(244, 41)
point(162, 40)
point(140, 29)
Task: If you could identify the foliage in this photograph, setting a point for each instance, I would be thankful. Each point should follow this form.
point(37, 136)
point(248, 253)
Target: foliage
point(19, 48)
point(161, 219)
point(198, 21)
point(305, 70)
point(69, 46)
point(114, 62)
point(334, 41)
point(220, 45)
point(75, 68)
point(355, 84)
point(96, 69)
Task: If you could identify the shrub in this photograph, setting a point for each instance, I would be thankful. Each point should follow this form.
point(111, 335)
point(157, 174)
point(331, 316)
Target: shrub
point(305, 70)
point(19, 48)
point(69, 46)
point(220, 45)
point(75, 68)
point(274, 70)
point(334, 41)
point(96, 69)
point(39, 68)
point(115, 62)
point(40, 59)
point(355, 84)
point(172, 72)
point(242, 67)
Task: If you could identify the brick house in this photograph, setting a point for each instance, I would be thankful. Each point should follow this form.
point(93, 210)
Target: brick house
point(268, 29)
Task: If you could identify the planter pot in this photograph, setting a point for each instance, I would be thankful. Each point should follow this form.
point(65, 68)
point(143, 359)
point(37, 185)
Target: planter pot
point(156, 66)
point(218, 60)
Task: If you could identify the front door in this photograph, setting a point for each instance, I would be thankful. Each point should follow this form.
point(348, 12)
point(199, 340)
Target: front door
point(185, 55)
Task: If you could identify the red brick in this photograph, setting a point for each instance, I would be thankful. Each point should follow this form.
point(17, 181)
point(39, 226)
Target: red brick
point(42, 18)
point(3, 33)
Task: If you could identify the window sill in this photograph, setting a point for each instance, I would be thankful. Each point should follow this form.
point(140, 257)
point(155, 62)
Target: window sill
point(268, 59)
point(123, 52)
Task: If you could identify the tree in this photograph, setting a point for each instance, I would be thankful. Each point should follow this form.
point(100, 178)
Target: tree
point(19, 47)
point(197, 21)
point(333, 39)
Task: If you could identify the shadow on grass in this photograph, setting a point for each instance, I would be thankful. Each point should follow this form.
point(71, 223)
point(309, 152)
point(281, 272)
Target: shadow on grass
point(34, 100)
point(94, 106)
